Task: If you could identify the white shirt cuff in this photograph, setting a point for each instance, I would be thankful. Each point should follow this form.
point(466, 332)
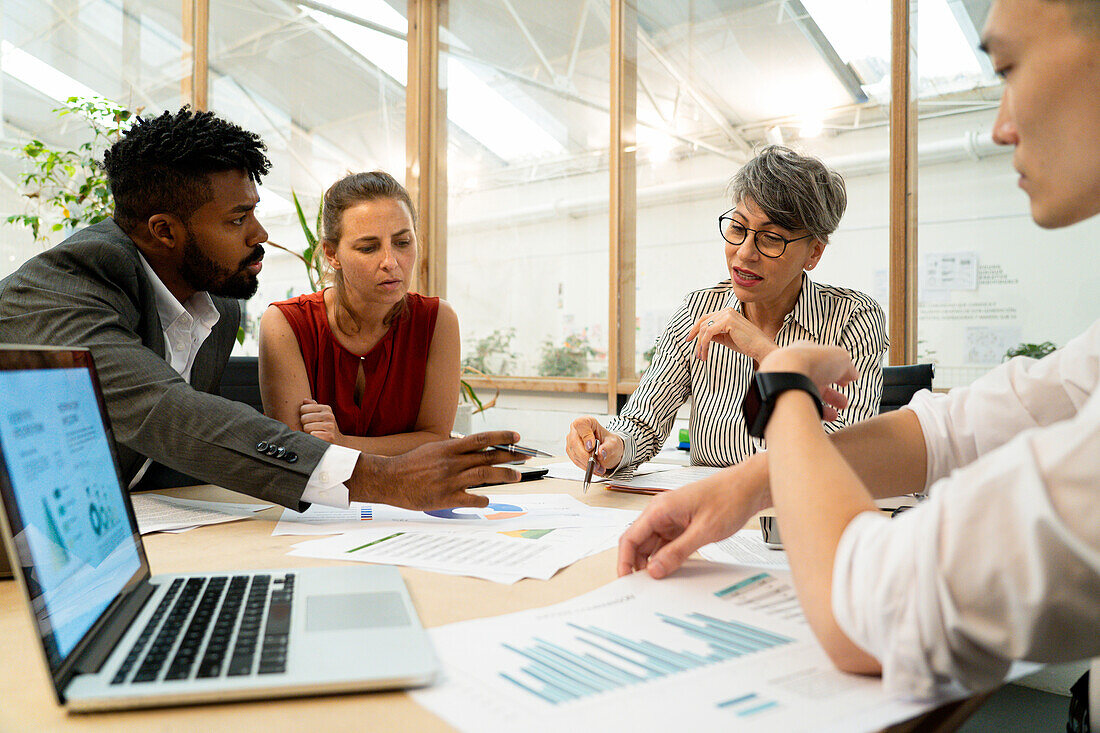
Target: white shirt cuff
point(628, 453)
point(326, 483)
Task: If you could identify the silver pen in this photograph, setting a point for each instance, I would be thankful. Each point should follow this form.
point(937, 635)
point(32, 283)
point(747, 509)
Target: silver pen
point(521, 450)
point(514, 448)
point(591, 466)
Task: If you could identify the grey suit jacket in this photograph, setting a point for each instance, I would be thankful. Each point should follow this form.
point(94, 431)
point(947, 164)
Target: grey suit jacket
point(92, 290)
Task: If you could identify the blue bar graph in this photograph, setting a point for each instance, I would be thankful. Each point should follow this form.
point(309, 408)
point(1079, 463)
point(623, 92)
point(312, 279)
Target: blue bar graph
point(604, 660)
point(748, 705)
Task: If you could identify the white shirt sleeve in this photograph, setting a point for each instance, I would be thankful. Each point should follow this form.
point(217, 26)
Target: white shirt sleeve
point(1002, 562)
point(326, 483)
point(1023, 393)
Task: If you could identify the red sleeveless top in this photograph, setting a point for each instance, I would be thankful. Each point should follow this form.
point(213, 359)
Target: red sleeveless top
point(393, 370)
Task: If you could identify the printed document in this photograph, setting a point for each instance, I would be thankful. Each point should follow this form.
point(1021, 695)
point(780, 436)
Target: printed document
point(745, 548)
point(655, 483)
point(699, 650)
point(505, 511)
point(503, 557)
point(158, 513)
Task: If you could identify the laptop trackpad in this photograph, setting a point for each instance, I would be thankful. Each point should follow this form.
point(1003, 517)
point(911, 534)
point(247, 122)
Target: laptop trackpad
point(344, 611)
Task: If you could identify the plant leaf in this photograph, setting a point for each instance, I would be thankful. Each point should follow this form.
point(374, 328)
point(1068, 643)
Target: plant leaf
point(311, 239)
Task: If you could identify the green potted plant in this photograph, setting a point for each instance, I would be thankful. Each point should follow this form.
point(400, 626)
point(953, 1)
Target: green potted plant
point(312, 252)
point(491, 354)
point(569, 359)
point(1035, 351)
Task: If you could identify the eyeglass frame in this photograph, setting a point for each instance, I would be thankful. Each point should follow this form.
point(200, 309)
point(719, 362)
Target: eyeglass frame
point(755, 232)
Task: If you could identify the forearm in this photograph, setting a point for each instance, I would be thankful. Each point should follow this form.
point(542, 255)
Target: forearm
point(887, 453)
point(816, 494)
point(369, 480)
point(392, 445)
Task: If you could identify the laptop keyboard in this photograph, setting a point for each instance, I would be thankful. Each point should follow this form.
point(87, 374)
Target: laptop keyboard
point(178, 642)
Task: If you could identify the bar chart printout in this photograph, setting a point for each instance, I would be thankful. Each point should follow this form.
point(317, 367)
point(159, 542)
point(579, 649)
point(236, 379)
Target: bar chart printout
point(765, 593)
point(601, 660)
point(700, 650)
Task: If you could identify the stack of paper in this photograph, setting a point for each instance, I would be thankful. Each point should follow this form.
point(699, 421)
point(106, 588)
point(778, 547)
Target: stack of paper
point(745, 548)
point(570, 472)
point(655, 483)
point(516, 536)
point(157, 513)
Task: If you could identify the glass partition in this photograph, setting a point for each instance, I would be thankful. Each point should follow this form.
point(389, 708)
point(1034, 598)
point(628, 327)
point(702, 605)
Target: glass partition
point(527, 102)
point(127, 51)
point(990, 280)
point(716, 81)
point(323, 83)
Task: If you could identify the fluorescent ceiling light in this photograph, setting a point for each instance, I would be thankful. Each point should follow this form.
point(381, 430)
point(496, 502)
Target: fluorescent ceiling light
point(811, 126)
point(40, 76)
point(473, 105)
point(657, 145)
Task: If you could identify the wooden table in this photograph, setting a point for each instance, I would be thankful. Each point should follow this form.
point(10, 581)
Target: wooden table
point(28, 699)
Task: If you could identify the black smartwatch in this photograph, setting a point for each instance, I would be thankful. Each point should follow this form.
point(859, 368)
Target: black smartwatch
point(765, 388)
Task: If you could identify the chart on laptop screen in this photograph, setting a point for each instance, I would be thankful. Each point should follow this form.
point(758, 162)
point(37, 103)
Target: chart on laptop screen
point(61, 470)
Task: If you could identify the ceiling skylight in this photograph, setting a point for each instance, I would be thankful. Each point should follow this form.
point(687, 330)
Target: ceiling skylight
point(859, 30)
point(40, 76)
point(473, 105)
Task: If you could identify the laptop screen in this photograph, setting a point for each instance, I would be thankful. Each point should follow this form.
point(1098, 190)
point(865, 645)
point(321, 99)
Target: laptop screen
point(72, 529)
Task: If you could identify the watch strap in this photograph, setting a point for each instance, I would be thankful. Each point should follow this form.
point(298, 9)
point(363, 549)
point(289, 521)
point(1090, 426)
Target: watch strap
point(759, 402)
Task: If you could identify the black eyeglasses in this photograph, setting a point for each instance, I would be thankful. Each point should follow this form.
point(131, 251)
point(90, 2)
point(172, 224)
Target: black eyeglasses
point(769, 244)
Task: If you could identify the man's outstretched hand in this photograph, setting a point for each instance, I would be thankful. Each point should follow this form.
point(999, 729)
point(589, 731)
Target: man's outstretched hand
point(436, 475)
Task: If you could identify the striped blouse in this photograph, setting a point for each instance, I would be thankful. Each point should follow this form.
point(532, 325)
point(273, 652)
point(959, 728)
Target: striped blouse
point(716, 386)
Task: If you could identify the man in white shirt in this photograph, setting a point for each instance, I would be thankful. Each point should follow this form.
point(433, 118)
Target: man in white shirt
point(1002, 562)
point(152, 292)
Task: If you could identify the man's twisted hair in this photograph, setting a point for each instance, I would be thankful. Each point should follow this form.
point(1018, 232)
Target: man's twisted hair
point(161, 164)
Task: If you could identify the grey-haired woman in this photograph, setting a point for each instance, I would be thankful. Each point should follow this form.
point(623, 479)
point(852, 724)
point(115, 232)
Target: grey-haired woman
point(785, 206)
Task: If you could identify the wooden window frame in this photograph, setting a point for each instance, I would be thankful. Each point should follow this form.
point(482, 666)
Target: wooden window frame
point(622, 378)
point(195, 34)
point(426, 177)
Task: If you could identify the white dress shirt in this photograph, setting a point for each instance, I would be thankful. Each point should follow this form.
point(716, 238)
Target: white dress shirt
point(186, 326)
point(1002, 561)
point(823, 313)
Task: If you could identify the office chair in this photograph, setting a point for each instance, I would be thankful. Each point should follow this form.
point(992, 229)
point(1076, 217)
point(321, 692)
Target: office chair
point(241, 381)
point(900, 383)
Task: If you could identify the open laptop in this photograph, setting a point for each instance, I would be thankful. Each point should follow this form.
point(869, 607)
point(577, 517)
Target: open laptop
point(115, 636)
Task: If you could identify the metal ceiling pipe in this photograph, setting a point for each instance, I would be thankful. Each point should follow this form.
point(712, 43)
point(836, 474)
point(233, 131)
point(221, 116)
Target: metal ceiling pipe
point(972, 146)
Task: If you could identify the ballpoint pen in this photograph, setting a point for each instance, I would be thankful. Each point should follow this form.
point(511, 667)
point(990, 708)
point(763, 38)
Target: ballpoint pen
point(514, 448)
point(521, 450)
point(591, 465)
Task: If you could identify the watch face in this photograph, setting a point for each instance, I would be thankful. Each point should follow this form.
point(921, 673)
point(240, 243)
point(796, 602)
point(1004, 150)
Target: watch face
point(750, 407)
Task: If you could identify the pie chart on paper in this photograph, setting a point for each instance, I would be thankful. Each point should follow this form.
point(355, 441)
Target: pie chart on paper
point(495, 511)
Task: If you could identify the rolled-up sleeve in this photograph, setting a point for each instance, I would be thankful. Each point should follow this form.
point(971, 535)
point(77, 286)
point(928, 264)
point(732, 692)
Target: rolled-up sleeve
point(1016, 396)
point(1002, 561)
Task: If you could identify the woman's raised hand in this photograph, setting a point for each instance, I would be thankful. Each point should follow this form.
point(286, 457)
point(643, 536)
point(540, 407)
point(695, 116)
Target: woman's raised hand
point(732, 330)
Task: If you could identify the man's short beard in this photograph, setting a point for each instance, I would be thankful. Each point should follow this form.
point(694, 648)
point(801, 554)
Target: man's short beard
point(202, 273)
